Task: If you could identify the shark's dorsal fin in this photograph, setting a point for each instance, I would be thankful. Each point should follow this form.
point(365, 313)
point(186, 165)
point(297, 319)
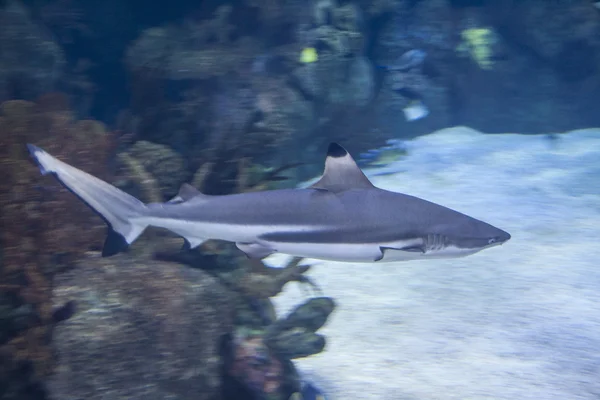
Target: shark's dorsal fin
point(341, 172)
point(186, 192)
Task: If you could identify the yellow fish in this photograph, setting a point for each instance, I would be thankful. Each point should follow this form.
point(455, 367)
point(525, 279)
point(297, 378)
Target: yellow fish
point(308, 55)
point(479, 42)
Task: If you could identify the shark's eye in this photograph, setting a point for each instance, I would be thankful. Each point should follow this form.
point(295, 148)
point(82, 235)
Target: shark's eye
point(492, 240)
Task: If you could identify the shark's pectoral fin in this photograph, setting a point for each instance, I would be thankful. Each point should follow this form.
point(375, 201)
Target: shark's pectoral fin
point(412, 249)
point(255, 250)
point(409, 249)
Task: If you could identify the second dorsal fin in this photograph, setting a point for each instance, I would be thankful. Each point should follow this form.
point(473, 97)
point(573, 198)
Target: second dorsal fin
point(341, 172)
point(187, 191)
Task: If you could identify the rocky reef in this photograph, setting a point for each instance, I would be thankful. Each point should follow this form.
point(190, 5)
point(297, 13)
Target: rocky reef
point(226, 81)
point(142, 330)
point(262, 346)
point(42, 230)
point(155, 329)
point(524, 66)
point(76, 325)
point(31, 62)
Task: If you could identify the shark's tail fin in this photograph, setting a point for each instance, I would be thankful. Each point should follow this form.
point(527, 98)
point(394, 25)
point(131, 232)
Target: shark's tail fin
point(121, 212)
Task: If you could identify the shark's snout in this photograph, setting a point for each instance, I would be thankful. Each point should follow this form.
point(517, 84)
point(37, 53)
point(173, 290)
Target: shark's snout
point(499, 237)
point(471, 233)
point(504, 237)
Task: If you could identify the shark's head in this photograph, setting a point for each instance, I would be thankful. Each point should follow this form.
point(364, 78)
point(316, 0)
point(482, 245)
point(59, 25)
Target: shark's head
point(466, 236)
point(472, 235)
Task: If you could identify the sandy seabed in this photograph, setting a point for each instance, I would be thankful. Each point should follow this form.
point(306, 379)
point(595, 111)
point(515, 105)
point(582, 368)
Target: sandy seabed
point(518, 321)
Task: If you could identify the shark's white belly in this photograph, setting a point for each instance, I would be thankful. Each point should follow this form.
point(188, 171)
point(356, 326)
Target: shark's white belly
point(367, 253)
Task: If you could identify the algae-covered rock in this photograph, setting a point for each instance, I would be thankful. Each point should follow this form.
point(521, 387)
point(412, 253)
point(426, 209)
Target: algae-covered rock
point(295, 335)
point(147, 330)
point(43, 228)
point(164, 164)
point(262, 346)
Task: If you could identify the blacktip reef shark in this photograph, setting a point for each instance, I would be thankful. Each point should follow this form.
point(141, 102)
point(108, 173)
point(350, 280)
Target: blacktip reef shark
point(342, 217)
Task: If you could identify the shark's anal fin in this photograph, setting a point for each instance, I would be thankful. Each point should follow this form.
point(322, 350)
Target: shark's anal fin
point(255, 250)
point(410, 249)
point(341, 172)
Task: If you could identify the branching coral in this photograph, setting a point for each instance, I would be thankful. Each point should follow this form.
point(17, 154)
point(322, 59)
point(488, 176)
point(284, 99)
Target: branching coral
point(263, 347)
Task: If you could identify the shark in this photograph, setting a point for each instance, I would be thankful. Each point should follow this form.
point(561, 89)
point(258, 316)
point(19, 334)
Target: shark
point(341, 217)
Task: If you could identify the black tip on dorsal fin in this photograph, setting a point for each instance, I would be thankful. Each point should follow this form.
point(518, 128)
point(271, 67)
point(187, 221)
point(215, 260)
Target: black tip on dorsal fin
point(187, 191)
point(336, 151)
point(341, 172)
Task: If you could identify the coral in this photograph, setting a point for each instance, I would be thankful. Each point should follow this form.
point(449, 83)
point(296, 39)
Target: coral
point(380, 8)
point(263, 346)
point(42, 226)
point(64, 18)
point(295, 336)
point(166, 167)
point(144, 330)
point(282, 113)
point(261, 282)
point(342, 77)
point(147, 184)
point(31, 63)
point(196, 50)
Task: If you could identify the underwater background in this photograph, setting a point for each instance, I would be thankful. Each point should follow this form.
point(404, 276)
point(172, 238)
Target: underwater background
point(488, 107)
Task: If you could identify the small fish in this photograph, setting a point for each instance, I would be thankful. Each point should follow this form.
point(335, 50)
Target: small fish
point(407, 61)
point(308, 55)
point(479, 43)
point(341, 217)
point(392, 152)
point(402, 71)
point(415, 110)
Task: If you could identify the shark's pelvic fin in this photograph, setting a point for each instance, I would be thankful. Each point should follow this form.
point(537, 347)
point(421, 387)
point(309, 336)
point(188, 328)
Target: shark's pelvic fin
point(122, 213)
point(114, 243)
point(341, 172)
point(255, 250)
point(189, 244)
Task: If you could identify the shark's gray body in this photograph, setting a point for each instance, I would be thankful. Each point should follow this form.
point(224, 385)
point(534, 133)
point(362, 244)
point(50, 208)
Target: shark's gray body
point(342, 217)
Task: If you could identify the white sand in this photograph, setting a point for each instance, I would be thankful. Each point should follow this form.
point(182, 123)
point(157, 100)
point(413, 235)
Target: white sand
point(519, 321)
